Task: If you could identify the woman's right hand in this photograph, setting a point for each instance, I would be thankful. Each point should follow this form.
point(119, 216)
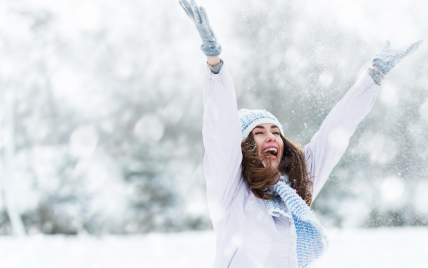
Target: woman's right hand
point(210, 46)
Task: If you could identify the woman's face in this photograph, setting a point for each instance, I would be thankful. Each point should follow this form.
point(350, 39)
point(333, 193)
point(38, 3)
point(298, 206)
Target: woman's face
point(268, 139)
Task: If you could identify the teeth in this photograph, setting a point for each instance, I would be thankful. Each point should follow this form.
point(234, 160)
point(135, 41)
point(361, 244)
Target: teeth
point(270, 149)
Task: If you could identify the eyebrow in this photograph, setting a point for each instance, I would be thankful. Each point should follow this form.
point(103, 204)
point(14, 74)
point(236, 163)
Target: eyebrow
point(264, 127)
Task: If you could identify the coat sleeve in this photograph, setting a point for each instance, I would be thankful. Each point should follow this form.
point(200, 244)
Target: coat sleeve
point(222, 141)
point(331, 141)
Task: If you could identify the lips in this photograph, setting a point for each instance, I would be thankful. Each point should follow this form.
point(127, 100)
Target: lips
point(271, 151)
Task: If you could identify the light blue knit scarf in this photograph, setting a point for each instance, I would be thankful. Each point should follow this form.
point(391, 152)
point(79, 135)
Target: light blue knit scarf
point(311, 237)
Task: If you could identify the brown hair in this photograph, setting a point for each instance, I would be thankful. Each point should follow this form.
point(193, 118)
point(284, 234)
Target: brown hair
point(260, 178)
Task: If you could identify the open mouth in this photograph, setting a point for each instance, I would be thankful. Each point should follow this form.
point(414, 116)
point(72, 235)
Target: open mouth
point(271, 152)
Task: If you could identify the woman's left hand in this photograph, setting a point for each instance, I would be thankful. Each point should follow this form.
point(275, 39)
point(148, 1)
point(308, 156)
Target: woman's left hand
point(386, 58)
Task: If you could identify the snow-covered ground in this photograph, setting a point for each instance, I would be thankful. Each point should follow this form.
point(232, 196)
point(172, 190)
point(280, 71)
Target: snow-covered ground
point(384, 247)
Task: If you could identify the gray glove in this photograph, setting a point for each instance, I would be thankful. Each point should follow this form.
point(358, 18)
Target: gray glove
point(198, 15)
point(386, 58)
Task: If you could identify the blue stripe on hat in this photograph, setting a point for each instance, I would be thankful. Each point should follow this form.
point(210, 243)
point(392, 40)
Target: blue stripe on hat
point(252, 118)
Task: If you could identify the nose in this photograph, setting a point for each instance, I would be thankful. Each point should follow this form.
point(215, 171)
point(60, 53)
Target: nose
point(270, 137)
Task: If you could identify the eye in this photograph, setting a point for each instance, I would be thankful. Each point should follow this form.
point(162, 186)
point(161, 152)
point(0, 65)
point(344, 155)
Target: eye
point(276, 133)
point(258, 133)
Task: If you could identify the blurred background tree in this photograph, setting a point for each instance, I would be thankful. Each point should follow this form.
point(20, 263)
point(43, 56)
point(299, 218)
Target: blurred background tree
point(108, 108)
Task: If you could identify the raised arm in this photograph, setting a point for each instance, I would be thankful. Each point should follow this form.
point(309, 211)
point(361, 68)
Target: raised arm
point(331, 141)
point(222, 141)
point(221, 127)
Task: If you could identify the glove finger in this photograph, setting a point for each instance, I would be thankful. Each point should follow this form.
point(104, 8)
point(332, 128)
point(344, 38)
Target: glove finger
point(206, 22)
point(412, 48)
point(186, 6)
point(195, 10)
point(204, 15)
point(181, 4)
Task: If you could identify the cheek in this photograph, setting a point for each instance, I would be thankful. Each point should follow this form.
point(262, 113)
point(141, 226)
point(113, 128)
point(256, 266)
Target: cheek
point(281, 146)
point(258, 145)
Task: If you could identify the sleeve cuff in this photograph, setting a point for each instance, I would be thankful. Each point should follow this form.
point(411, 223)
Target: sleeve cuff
point(377, 77)
point(216, 69)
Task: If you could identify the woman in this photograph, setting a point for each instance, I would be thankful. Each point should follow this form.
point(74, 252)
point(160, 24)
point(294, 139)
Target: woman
point(259, 185)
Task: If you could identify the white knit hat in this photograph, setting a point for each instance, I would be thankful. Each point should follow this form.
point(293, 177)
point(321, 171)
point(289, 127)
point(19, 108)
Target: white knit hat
point(252, 118)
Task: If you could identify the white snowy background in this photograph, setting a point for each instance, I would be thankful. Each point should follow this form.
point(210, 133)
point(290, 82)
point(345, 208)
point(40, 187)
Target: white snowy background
point(101, 116)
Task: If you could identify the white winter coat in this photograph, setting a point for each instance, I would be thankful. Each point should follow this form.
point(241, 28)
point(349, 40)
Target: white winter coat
point(246, 235)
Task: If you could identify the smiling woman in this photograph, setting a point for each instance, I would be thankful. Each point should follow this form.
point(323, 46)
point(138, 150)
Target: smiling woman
point(266, 154)
point(260, 185)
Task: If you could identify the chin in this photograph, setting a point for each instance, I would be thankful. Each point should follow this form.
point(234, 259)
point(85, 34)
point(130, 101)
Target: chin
point(274, 164)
